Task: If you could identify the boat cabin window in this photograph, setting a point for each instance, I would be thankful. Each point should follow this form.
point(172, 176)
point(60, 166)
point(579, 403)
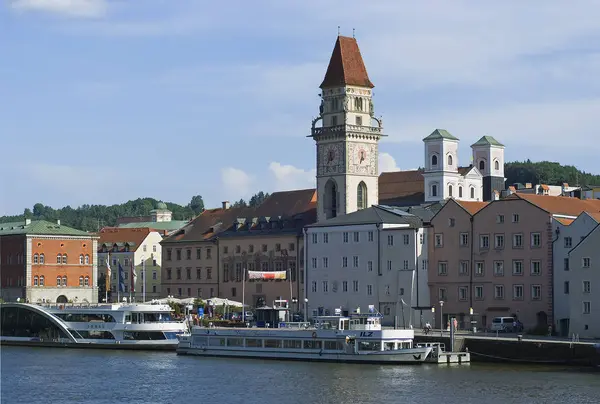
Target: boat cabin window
point(369, 346)
point(312, 344)
point(292, 344)
point(86, 317)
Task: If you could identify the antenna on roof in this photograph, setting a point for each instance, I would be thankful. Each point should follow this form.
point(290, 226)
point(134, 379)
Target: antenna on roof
point(338, 30)
point(353, 30)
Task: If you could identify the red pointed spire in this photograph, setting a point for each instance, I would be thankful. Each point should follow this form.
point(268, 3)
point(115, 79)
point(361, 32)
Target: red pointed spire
point(346, 66)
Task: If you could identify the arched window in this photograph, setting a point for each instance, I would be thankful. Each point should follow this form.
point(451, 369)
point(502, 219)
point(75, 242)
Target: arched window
point(460, 192)
point(449, 189)
point(42, 280)
point(81, 259)
point(434, 190)
point(361, 196)
point(359, 104)
point(58, 279)
point(64, 258)
point(87, 281)
point(35, 280)
point(42, 259)
point(87, 259)
point(59, 258)
point(330, 199)
point(434, 160)
point(472, 193)
point(35, 258)
point(449, 159)
point(481, 165)
point(81, 281)
point(496, 165)
point(64, 280)
point(359, 120)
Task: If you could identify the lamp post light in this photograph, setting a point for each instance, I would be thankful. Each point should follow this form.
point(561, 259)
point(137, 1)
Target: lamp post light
point(305, 309)
point(441, 317)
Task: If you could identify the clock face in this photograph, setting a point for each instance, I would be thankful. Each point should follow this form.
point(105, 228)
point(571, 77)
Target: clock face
point(330, 155)
point(362, 156)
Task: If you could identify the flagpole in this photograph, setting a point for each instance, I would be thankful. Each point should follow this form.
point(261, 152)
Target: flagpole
point(244, 296)
point(107, 281)
point(291, 297)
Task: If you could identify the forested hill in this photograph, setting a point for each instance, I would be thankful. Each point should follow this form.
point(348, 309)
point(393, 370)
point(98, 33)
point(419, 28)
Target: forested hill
point(547, 172)
point(94, 217)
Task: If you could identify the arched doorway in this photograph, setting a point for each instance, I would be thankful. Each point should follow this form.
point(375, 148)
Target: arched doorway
point(62, 299)
point(331, 198)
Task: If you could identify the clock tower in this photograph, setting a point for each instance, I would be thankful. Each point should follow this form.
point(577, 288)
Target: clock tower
point(348, 135)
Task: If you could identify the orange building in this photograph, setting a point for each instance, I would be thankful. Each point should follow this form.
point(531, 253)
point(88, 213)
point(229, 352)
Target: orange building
point(42, 261)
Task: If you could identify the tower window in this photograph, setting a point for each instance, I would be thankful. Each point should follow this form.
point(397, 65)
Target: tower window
point(460, 192)
point(449, 160)
point(361, 196)
point(481, 165)
point(334, 120)
point(330, 205)
point(449, 189)
point(434, 189)
point(472, 193)
point(434, 160)
point(359, 120)
point(496, 165)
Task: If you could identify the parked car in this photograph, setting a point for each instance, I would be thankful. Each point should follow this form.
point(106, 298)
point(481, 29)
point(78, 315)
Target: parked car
point(503, 324)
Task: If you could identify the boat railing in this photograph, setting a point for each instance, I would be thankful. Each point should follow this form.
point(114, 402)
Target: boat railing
point(295, 325)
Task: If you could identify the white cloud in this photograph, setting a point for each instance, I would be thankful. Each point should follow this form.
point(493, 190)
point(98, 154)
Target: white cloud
point(237, 183)
point(387, 163)
point(71, 8)
point(287, 177)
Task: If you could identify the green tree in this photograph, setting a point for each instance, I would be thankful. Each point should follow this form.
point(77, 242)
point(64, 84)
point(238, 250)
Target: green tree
point(196, 204)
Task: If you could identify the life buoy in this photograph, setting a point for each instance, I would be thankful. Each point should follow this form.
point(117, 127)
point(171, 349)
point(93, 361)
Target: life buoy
point(314, 335)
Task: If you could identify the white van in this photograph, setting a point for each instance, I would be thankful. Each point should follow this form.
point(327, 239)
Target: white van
point(503, 324)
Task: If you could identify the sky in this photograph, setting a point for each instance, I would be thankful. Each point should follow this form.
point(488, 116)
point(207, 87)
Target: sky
point(102, 101)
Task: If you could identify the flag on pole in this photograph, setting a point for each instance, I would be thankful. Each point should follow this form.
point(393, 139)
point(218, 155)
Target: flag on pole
point(133, 276)
point(267, 274)
point(121, 278)
point(108, 272)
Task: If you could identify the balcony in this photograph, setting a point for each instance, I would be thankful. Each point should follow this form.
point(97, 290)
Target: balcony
point(340, 129)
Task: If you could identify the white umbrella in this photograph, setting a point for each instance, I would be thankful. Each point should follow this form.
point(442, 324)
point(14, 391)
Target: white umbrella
point(217, 301)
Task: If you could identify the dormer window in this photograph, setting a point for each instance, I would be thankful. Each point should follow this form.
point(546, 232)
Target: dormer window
point(126, 247)
point(115, 248)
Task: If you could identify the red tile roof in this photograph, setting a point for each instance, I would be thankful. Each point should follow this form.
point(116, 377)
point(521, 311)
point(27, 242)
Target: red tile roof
point(564, 221)
point(401, 186)
point(471, 206)
point(560, 205)
point(134, 236)
point(346, 66)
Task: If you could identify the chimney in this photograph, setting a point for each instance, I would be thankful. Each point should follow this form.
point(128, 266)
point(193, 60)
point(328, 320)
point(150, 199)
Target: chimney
point(27, 222)
point(225, 204)
point(58, 222)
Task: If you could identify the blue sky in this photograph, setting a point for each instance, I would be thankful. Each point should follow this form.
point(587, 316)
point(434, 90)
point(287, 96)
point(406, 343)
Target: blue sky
point(107, 100)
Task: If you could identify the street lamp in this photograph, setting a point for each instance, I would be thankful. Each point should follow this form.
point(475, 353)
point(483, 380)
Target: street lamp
point(305, 309)
point(441, 317)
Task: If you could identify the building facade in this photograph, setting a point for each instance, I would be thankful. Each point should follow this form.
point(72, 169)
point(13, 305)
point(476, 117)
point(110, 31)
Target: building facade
point(568, 233)
point(160, 219)
point(137, 248)
point(42, 261)
point(584, 261)
point(374, 257)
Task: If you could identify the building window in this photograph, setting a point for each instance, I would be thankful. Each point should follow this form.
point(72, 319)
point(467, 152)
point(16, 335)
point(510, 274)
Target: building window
point(356, 237)
point(442, 268)
point(389, 265)
point(188, 254)
point(500, 219)
point(355, 286)
point(536, 240)
point(387, 290)
point(325, 262)
point(370, 236)
point(35, 258)
point(451, 222)
point(43, 259)
point(370, 266)
point(154, 275)
point(498, 268)
point(587, 287)
point(126, 261)
point(325, 241)
point(355, 261)
point(481, 166)
point(499, 241)
point(225, 249)
point(587, 307)
point(369, 290)
point(178, 255)
point(169, 273)
point(64, 280)
point(42, 280)
point(344, 286)
point(188, 273)
point(517, 241)
point(169, 254)
point(87, 259)
point(81, 281)
point(313, 287)
point(314, 262)
point(479, 268)
point(153, 248)
point(496, 165)
point(536, 292)
point(472, 193)
point(464, 239)
point(463, 268)
point(450, 163)
point(421, 238)
point(209, 273)
point(345, 237)
point(35, 281)
point(499, 292)
point(478, 292)
point(58, 280)
point(566, 264)
point(325, 286)
point(434, 160)
point(198, 273)
point(484, 242)
point(517, 292)
point(208, 253)
point(277, 247)
point(449, 189)
point(390, 240)
point(344, 262)
point(566, 287)
point(198, 253)
point(64, 259)
point(359, 120)
point(515, 218)
point(315, 238)
point(586, 262)
point(439, 240)
point(442, 295)
point(463, 293)
point(361, 196)
point(59, 258)
point(405, 265)
point(517, 267)
point(536, 268)
point(87, 281)
point(434, 190)
point(568, 242)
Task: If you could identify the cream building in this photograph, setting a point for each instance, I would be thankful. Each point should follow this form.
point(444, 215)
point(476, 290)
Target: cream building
point(139, 247)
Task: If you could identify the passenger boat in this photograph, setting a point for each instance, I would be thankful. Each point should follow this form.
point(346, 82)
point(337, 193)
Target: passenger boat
point(357, 338)
point(119, 326)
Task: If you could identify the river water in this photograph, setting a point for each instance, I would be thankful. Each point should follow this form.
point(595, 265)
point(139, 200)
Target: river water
point(54, 375)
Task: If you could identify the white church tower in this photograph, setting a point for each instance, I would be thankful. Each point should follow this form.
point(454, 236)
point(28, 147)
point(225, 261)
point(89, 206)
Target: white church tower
point(347, 141)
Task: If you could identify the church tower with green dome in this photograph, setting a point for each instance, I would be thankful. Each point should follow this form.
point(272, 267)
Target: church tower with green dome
point(161, 213)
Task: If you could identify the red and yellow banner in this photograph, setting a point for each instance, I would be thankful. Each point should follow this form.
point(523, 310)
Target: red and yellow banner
point(267, 274)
